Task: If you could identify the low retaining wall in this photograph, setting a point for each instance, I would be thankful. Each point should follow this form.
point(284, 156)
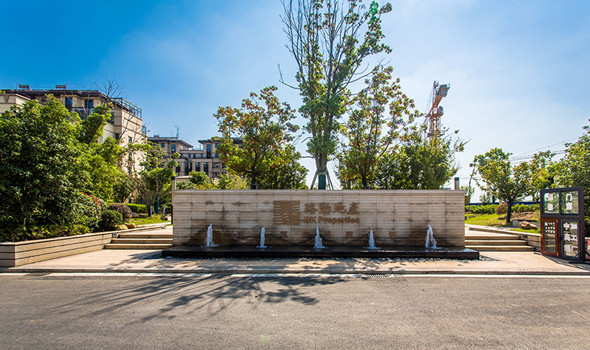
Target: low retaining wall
point(532, 239)
point(397, 218)
point(27, 252)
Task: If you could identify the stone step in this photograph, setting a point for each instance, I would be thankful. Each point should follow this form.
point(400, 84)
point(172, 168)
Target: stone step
point(145, 235)
point(490, 248)
point(495, 242)
point(136, 246)
point(142, 240)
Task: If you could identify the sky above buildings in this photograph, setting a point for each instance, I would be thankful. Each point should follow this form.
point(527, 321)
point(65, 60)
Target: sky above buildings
point(518, 70)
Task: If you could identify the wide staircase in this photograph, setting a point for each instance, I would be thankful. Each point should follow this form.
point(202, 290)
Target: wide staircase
point(493, 241)
point(154, 239)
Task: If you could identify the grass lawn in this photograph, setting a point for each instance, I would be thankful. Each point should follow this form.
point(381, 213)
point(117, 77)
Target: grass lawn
point(155, 219)
point(500, 220)
point(487, 220)
point(535, 230)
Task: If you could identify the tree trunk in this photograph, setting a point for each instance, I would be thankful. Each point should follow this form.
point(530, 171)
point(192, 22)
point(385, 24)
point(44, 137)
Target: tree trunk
point(322, 166)
point(509, 211)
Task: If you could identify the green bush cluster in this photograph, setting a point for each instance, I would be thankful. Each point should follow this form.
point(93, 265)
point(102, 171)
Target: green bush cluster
point(45, 231)
point(110, 219)
point(137, 208)
point(521, 208)
point(501, 209)
point(121, 208)
point(481, 209)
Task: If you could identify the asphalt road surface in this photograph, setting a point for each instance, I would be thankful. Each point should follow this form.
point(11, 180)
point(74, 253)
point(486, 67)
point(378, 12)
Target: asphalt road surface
point(308, 312)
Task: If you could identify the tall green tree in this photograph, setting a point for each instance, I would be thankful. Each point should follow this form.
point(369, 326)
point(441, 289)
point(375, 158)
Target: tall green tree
point(381, 110)
point(499, 178)
point(574, 169)
point(540, 176)
point(156, 176)
point(40, 176)
point(263, 124)
point(418, 161)
point(329, 40)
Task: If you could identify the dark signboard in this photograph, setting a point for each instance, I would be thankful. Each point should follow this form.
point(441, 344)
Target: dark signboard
point(562, 223)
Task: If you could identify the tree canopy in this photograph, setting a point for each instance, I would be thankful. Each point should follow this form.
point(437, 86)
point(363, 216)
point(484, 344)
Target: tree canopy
point(329, 41)
point(499, 178)
point(264, 130)
point(41, 173)
point(380, 112)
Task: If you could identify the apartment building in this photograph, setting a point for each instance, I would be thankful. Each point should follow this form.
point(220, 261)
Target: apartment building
point(205, 158)
point(126, 122)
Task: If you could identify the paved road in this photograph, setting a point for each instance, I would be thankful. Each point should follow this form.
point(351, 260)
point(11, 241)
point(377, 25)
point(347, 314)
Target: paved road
point(329, 312)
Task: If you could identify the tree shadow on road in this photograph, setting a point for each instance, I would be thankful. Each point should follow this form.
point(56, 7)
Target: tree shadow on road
point(211, 294)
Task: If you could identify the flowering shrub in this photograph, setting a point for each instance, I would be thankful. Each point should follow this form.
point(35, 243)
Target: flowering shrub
point(88, 211)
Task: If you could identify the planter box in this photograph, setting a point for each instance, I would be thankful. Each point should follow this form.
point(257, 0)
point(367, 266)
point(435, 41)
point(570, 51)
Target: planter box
point(27, 252)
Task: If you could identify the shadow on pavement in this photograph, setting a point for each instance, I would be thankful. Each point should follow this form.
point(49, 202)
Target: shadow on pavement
point(209, 293)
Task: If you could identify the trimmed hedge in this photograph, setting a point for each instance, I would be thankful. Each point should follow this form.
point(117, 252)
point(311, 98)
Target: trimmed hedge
point(121, 208)
point(110, 219)
point(137, 208)
point(492, 208)
point(481, 209)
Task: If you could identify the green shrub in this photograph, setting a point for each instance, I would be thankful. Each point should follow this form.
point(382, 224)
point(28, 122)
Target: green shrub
point(137, 208)
point(45, 231)
point(502, 209)
point(481, 209)
point(88, 211)
point(110, 219)
point(522, 208)
point(121, 208)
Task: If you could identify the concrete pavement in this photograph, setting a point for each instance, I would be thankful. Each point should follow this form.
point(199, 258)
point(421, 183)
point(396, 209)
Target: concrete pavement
point(150, 261)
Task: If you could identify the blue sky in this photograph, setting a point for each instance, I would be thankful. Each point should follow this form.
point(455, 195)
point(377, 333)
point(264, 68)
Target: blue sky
point(518, 70)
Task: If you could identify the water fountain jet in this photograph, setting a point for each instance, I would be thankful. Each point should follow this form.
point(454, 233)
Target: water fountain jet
point(209, 241)
point(318, 239)
point(262, 239)
point(372, 241)
point(430, 241)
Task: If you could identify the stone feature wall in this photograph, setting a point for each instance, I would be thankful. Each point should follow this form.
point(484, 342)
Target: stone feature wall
point(397, 218)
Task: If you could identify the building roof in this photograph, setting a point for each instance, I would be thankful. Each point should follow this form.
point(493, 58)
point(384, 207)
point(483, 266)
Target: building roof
point(117, 101)
point(158, 138)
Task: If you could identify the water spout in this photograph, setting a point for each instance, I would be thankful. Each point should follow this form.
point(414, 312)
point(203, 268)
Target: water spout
point(430, 241)
point(371, 241)
point(209, 242)
point(262, 238)
point(318, 239)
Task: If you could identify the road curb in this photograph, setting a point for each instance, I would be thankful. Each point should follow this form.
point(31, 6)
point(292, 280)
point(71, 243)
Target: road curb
point(286, 272)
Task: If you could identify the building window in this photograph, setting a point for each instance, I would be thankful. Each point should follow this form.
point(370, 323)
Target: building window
point(88, 104)
point(163, 145)
point(197, 166)
point(129, 139)
point(68, 102)
point(206, 168)
point(173, 147)
point(116, 136)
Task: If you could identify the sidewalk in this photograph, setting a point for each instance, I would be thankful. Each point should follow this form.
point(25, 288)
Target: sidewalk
point(150, 261)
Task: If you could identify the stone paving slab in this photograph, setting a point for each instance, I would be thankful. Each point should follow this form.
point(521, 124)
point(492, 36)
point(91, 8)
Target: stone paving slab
point(150, 261)
point(138, 261)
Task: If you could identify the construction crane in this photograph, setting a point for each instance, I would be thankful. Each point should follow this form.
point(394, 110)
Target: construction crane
point(435, 111)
